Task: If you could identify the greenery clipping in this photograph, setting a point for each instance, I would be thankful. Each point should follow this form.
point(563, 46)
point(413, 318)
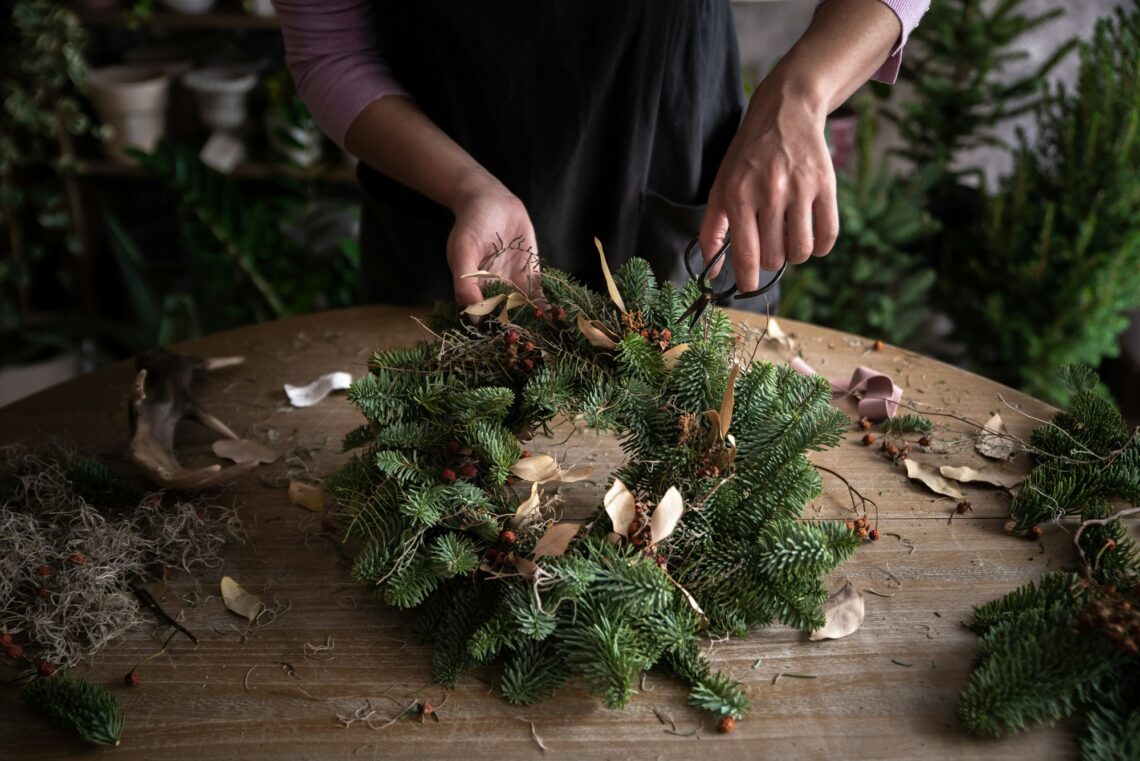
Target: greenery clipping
point(1069, 642)
point(429, 495)
point(89, 709)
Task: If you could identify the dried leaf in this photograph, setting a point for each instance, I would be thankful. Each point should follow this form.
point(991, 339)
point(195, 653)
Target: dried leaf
point(621, 507)
point(308, 395)
point(611, 286)
point(486, 306)
point(986, 475)
point(666, 515)
point(529, 506)
point(930, 476)
point(595, 336)
point(236, 599)
point(244, 450)
point(514, 299)
point(727, 403)
point(692, 602)
point(714, 435)
point(538, 469)
point(842, 613)
point(673, 355)
point(525, 567)
point(995, 440)
point(774, 332)
point(483, 274)
point(307, 496)
point(556, 539)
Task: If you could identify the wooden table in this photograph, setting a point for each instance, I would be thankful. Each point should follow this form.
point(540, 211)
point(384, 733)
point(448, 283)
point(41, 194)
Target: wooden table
point(886, 692)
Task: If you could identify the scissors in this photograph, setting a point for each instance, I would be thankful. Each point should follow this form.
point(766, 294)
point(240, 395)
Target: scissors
point(710, 294)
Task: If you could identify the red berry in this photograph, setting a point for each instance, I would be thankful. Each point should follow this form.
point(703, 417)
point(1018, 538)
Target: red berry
point(5, 639)
point(726, 725)
point(924, 441)
point(43, 571)
point(14, 651)
point(528, 346)
point(526, 453)
point(43, 592)
point(878, 346)
point(1035, 532)
point(868, 439)
point(44, 668)
point(892, 450)
point(661, 561)
point(508, 537)
point(539, 314)
point(558, 313)
point(468, 471)
point(131, 679)
point(865, 423)
point(528, 364)
point(493, 555)
point(447, 474)
point(511, 337)
point(862, 532)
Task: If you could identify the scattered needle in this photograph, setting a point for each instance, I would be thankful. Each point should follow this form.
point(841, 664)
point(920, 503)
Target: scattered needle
point(792, 675)
point(897, 662)
point(246, 680)
point(533, 733)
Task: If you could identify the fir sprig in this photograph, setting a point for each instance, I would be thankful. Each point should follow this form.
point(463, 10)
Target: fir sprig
point(89, 709)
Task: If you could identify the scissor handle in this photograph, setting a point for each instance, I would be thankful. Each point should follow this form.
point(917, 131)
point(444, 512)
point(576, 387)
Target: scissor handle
point(703, 277)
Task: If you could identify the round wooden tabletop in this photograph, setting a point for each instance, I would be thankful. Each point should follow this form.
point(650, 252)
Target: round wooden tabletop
point(886, 692)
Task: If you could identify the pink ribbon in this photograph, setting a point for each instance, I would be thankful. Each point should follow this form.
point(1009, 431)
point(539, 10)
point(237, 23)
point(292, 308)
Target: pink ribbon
point(877, 393)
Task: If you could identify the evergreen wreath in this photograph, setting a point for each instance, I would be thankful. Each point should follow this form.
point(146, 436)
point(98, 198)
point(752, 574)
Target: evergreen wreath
point(699, 533)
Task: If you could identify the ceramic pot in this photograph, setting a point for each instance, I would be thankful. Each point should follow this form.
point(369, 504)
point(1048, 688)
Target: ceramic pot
point(262, 8)
point(221, 93)
point(18, 381)
point(190, 7)
point(131, 99)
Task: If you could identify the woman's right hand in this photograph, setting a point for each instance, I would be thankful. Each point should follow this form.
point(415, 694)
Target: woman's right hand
point(492, 231)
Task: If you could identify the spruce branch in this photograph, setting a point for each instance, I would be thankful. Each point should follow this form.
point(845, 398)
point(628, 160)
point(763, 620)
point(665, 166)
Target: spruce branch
point(89, 709)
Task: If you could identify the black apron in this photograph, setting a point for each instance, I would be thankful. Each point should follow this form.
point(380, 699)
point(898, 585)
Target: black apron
point(606, 118)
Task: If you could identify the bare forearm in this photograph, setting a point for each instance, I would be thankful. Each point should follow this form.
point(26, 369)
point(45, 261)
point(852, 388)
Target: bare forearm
point(393, 136)
point(845, 44)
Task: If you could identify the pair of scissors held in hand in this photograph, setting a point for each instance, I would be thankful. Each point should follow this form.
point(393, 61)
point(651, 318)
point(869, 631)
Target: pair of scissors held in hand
point(709, 294)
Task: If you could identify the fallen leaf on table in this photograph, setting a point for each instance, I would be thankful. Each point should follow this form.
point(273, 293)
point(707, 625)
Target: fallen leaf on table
point(930, 476)
point(995, 440)
point(244, 450)
point(236, 599)
point(543, 469)
point(556, 539)
point(986, 475)
point(308, 395)
point(773, 332)
point(842, 614)
point(307, 496)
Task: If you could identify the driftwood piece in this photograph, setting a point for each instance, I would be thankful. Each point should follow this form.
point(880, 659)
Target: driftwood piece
point(160, 399)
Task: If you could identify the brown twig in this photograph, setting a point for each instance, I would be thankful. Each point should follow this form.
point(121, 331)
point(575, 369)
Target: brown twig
point(152, 605)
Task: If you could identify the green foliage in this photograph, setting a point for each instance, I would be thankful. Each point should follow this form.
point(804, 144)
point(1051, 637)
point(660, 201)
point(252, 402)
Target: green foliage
point(253, 260)
point(426, 494)
point(909, 423)
point(875, 283)
point(89, 709)
point(1067, 644)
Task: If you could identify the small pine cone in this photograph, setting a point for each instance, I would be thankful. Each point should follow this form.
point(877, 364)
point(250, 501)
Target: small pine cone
point(862, 532)
point(726, 725)
point(868, 439)
point(508, 537)
point(666, 335)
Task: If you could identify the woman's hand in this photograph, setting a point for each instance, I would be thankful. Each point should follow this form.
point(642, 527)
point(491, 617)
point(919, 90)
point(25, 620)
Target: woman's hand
point(493, 232)
point(776, 187)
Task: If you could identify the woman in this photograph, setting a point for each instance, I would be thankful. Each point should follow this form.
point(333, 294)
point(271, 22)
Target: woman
point(498, 126)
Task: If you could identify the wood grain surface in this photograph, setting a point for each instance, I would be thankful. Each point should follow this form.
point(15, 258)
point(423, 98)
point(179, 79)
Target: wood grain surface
point(886, 692)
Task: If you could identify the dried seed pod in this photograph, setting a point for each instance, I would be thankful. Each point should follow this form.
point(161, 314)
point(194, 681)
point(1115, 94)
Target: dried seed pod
point(558, 313)
point(873, 534)
point(508, 537)
point(924, 441)
point(726, 725)
point(879, 345)
point(43, 571)
point(868, 439)
point(964, 507)
point(1034, 533)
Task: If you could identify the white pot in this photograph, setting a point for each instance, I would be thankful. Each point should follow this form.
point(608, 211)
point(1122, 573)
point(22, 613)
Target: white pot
point(192, 7)
point(263, 8)
point(131, 99)
point(19, 381)
point(221, 92)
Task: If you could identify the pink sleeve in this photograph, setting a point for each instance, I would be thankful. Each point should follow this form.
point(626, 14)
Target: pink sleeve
point(331, 51)
point(909, 12)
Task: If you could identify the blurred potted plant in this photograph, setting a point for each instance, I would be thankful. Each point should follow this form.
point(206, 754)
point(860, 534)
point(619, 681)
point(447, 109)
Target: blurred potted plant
point(44, 73)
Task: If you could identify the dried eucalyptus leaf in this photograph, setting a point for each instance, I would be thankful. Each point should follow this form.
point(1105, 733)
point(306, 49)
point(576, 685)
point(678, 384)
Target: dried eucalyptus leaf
point(987, 475)
point(621, 507)
point(995, 441)
point(595, 336)
point(307, 496)
point(528, 507)
point(538, 469)
point(576, 473)
point(930, 476)
point(236, 599)
point(842, 614)
point(526, 568)
point(673, 355)
point(486, 306)
point(611, 286)
point(556, 539)
point(514, 300)
point(666, 515)
point(728, 401)
point(244, 450)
